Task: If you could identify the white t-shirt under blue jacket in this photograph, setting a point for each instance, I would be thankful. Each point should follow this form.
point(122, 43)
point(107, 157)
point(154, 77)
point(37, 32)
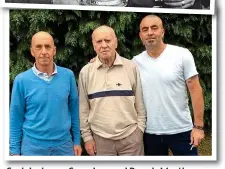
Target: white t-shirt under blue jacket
point(165, 95)
point(44, 111)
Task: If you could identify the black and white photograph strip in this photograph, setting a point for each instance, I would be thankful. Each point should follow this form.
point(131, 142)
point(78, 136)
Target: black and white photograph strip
point(181, 6)
point(192, 4)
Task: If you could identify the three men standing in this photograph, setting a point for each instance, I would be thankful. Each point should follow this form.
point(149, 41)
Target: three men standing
point(112, 107)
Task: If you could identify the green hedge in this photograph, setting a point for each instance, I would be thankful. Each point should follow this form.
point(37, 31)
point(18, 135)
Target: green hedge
point(72, 33)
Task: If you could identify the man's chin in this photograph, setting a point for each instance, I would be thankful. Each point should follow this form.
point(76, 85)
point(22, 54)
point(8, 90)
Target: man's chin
point(152, 44)
point(45, 63)
point(105, 55)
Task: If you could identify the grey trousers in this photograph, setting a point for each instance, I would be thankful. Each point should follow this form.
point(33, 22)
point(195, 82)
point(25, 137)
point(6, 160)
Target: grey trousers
point(129, 146)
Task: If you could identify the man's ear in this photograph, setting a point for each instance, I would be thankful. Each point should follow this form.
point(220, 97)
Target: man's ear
point(116, 41)
point(93, 44)
point(163, 33)
point(31, 51)
point(141, 38)
point(54, 50)
point(140, 35)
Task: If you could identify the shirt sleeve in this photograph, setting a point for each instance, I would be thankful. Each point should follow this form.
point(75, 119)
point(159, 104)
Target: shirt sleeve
point(139, 102)
point(17, 110)
point(188, 65)
point(74, 110)
point(84, 107)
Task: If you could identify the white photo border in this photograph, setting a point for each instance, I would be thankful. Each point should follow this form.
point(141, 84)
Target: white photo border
point(7, 157)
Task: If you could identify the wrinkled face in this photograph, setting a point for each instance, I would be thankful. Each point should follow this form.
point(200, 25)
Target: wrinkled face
point(43, 49)
point(151, 31)
point(105, 43)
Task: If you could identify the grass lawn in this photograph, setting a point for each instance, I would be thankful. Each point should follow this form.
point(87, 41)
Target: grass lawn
point(205, 149)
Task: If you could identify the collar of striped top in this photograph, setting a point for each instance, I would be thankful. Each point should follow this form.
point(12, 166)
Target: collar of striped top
point(37, 72)
point(117, 61)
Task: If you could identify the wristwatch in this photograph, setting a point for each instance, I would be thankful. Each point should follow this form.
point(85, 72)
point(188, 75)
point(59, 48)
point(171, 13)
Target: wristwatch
point(198, 127)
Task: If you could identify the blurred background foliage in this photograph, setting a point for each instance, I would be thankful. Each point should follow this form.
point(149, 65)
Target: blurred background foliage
point(72, 35)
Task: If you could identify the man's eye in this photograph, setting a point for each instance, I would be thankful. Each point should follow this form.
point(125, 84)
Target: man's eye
point(144, 30)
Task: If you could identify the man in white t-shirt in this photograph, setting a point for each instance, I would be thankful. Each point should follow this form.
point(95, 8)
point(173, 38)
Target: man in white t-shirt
point(167, 72)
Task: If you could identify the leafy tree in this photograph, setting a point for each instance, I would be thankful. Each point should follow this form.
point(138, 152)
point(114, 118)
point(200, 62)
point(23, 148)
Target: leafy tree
point(72, 34)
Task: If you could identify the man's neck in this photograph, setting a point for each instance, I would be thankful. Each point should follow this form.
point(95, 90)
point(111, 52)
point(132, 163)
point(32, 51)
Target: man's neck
point(156, 51)
point(109, 61)
point(46, 69)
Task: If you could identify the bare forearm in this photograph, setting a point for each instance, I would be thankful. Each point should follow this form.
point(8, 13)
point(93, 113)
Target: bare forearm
point(198, 106)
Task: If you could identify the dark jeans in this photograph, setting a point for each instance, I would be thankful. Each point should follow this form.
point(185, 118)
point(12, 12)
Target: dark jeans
point(179, 144)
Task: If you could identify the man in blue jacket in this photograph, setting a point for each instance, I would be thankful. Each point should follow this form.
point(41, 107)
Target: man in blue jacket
point(44, 106)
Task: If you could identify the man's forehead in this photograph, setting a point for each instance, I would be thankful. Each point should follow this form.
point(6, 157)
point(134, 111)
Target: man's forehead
point(103, 31)
point(42, 37)
point(101, 34)
point(151, 21)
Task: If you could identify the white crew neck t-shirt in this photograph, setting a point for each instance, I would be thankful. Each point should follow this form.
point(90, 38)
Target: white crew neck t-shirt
point(164, 89)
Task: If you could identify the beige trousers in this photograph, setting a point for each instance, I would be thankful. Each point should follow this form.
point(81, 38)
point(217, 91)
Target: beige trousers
point(129, 146)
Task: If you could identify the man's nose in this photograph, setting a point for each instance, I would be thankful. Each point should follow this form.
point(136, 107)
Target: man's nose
point(150, 32)
point(104, 44)
point(44, 50)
